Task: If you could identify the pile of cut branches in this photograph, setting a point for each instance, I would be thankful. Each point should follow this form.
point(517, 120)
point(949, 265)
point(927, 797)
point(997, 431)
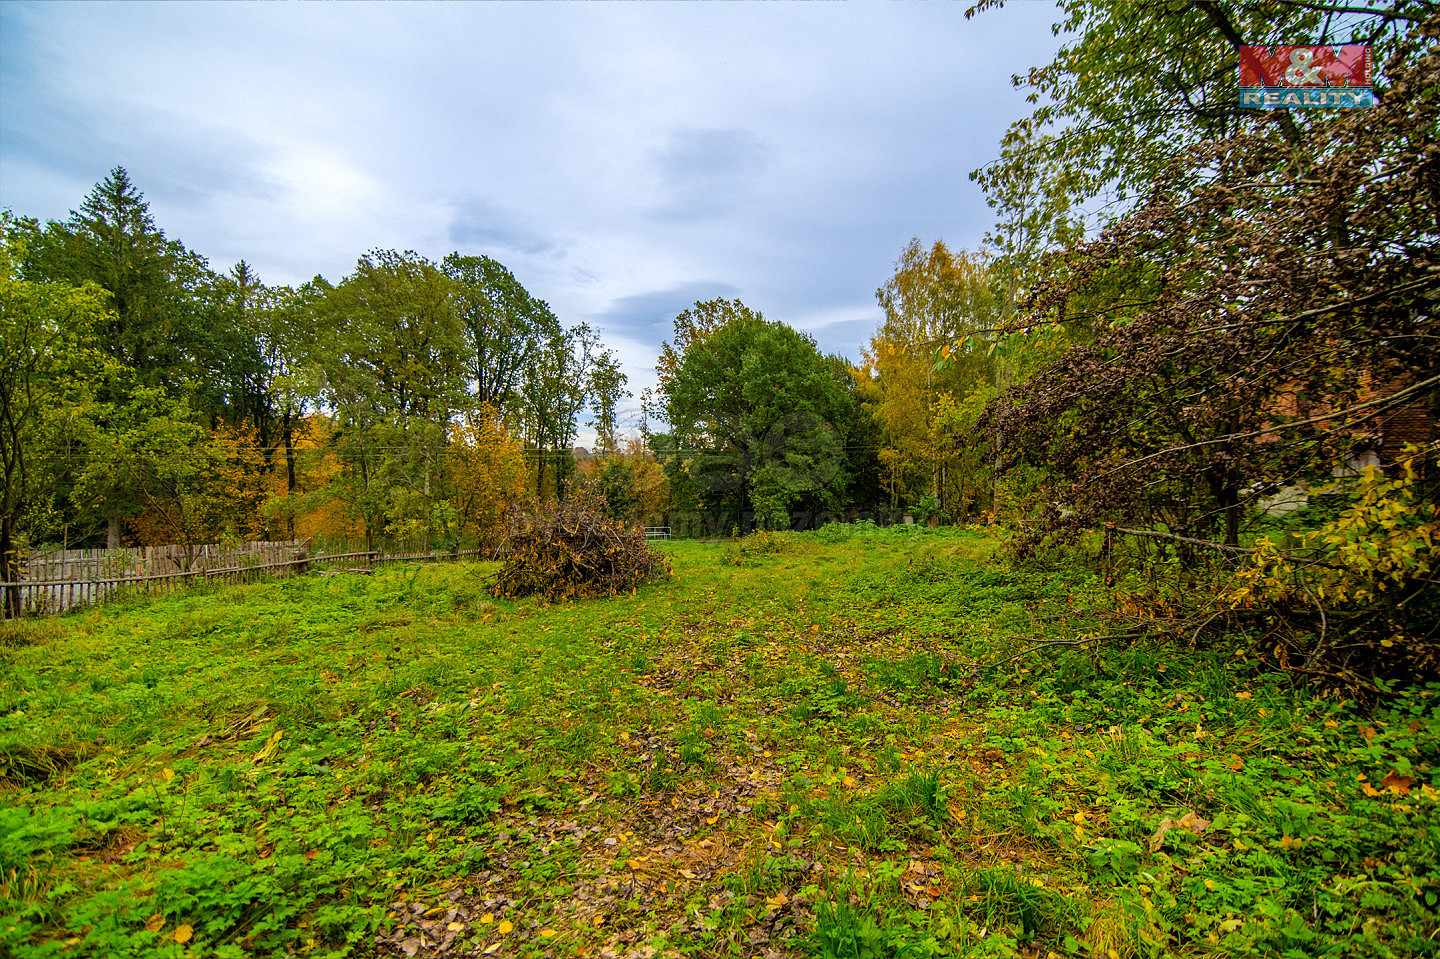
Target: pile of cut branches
point(574, 550)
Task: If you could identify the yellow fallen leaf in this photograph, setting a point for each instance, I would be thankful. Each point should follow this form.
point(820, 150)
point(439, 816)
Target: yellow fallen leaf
point(488, 918)
point(778, 900)
point(547, 933)
point(155, 923)
point(505, 926)
point(455, 927)
point(167, 774)
point(712, 820)
point(183, 933)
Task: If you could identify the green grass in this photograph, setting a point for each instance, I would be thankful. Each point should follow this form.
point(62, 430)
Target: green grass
point(797, 745)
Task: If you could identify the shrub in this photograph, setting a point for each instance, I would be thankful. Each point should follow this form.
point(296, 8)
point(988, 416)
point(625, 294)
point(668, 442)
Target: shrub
point(572, 550)
point(1359, 594)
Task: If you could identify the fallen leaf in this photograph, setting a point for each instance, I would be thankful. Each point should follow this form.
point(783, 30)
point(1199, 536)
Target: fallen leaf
point(455, 927)
point(1194, 823)
point(1159, 838)
point(1189, 821)
point(183, 933)
point(155, 923)
point(1398, 784)
point(505, 926)
point(547, 933)
point(410, 946)
point(488, 918)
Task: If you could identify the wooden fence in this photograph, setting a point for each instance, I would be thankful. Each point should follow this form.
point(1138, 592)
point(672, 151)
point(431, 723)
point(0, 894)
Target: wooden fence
point(90, 564)
point(43, 597)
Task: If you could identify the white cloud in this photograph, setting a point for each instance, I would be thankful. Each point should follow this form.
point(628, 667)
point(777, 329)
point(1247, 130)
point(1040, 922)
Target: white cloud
point(622, 159)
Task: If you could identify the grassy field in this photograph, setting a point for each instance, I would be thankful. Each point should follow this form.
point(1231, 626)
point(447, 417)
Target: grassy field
point(828, 744)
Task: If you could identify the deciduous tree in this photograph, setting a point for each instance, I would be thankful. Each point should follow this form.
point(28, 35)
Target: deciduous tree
point(485, 471)
point(1275, 312)
point(755, 411)
point(49, 364)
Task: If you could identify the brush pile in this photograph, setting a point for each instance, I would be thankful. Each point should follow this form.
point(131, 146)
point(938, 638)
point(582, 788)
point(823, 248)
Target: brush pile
point(574, 550)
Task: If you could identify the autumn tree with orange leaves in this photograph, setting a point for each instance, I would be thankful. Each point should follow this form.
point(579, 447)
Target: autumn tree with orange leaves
point(486, 473)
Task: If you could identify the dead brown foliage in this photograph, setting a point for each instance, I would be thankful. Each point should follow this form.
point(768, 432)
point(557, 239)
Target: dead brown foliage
point(574, 550)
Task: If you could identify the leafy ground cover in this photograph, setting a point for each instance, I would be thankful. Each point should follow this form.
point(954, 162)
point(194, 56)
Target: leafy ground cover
point(847, 743)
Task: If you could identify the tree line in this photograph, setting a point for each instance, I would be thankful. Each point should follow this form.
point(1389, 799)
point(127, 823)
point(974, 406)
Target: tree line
point(148, 398)
point(152, 399)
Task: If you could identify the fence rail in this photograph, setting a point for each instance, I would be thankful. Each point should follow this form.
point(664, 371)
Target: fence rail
point(42, 597)
point(50, 565)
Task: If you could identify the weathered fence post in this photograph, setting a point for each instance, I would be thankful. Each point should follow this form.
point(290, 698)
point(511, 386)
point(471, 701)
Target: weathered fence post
point(1109, 551)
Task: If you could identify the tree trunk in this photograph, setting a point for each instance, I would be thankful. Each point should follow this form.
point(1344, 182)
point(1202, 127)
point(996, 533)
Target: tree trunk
point(9, 567)
point(112, 531)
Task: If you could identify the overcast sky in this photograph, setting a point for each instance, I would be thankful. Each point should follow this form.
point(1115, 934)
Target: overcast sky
point(622, 159)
